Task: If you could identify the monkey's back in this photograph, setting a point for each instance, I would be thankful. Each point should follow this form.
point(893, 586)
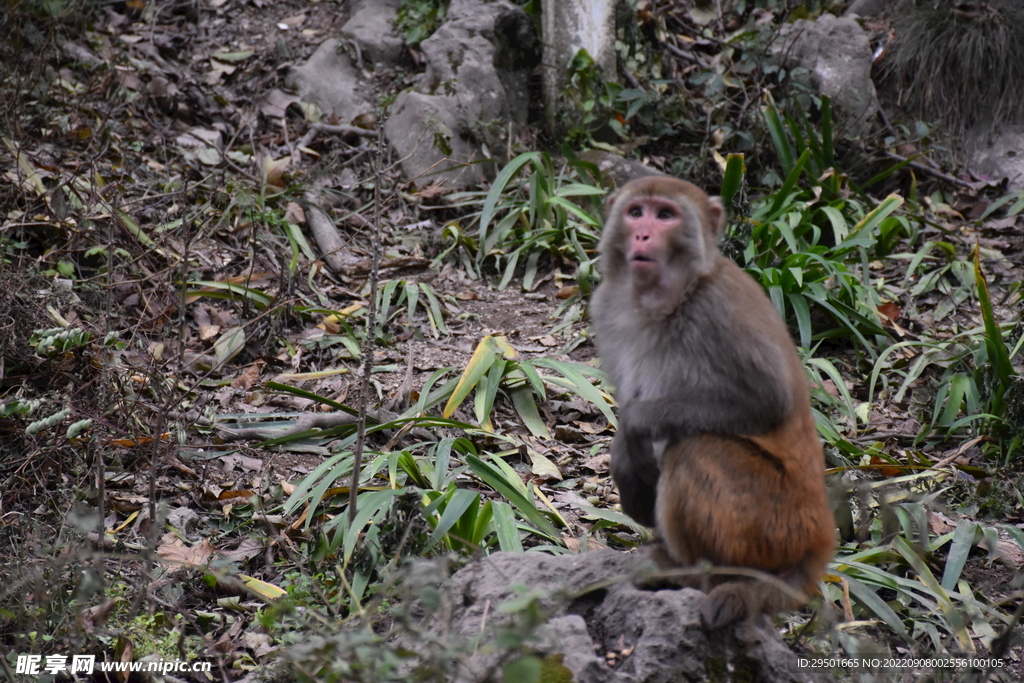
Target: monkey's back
point(755, 500)
point(727, 501)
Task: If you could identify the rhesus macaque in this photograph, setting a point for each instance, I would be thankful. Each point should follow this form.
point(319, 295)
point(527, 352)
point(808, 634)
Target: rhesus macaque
point(716, 446)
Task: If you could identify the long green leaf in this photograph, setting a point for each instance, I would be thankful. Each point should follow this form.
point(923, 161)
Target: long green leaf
point(498, 187)
point(371, 505)
point(295, 391)
point(876, 215)
point(506, 528)
point(777, 131)
point(227, 290)
point(526, 406)
point(484, 355)
point(457, 503)
point(782, 196)
point(487, 392)
point(579, 384)
point(827, 150)
point(959, 549)
point(997, 353)
point(493, 478)
point(732, 179)
point(305, 491)
point(869, 599)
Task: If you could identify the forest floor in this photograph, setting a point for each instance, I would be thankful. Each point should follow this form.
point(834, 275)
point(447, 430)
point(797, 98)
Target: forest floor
point(103, 173)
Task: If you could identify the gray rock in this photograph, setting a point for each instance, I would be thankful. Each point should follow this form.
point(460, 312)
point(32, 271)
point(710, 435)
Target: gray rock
point(657, 633)
point(617, 170)
point(1002, 156)
point(329, 80)
point(372, 27)
point(475, 84)
point(869, 8)
point(836, 54)
point(483, 52)
point(419, 128)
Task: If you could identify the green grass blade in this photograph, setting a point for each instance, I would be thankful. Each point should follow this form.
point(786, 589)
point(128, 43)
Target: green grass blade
point(782, 196)
point(459, 501)
point(869, 599)
point(498, 189)
point(526, 406)
point(483, 357)
point(778, 134)
point(732, 179)
point(959, 549)
point(997, 353)
point(491, 476)
point(827, 150)
point(580, 384)
point(506, 527)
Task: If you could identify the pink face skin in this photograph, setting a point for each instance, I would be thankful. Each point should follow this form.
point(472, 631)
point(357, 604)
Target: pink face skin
point(662, 234)
point(650, 221)
point(653, 225)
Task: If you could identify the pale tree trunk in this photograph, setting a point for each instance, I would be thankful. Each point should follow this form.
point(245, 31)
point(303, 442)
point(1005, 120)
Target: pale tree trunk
point(569, 26)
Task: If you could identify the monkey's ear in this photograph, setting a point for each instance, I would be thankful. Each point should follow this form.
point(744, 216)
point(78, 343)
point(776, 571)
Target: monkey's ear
point(609, 200)
point(716, 208)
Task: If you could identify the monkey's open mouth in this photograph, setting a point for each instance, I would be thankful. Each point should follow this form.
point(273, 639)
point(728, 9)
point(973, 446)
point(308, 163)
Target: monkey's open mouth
point(643, 259)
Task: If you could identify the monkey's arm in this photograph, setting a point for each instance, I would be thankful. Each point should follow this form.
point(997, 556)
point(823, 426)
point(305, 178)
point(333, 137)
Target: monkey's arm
point(753, 403)
point(635, 470)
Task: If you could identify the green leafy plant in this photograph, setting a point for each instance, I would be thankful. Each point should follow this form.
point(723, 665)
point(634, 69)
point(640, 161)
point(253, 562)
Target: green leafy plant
point(58, 340)
point(971, 370)
point(394, 293)
point(812, 247)
point(529, 211)
point(418, 19)
point(495, 364)
point(592, 100)
point(930, 613)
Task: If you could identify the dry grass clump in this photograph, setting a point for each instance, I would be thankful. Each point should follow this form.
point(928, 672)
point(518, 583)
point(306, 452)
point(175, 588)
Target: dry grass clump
point(961, 62)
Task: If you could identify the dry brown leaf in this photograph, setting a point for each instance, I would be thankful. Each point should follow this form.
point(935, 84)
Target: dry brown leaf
point(573, 544)
point(599, 463)
point(275, 102)
point(292, 21)
point(249, 377)
point(433, 191)
point(242, 461)
point(293, 213)
point(173, 553)
point(96, 616)
point(246, 550)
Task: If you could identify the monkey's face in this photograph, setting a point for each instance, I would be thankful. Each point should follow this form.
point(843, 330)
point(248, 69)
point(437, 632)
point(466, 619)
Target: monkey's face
point(660, 238)
point(662, 241)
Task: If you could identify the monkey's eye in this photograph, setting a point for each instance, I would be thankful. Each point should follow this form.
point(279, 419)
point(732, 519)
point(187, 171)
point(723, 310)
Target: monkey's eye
point(635, 212)
point(666, 214)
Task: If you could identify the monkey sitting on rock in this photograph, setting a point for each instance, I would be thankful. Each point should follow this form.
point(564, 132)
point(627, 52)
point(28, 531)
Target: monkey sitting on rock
point(716, 446)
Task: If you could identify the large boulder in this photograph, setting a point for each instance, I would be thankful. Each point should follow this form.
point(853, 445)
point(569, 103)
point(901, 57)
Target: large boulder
point(475, 84)
point(832, 55)
point(372, 27)
point(603, 628)
point(330, 80)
